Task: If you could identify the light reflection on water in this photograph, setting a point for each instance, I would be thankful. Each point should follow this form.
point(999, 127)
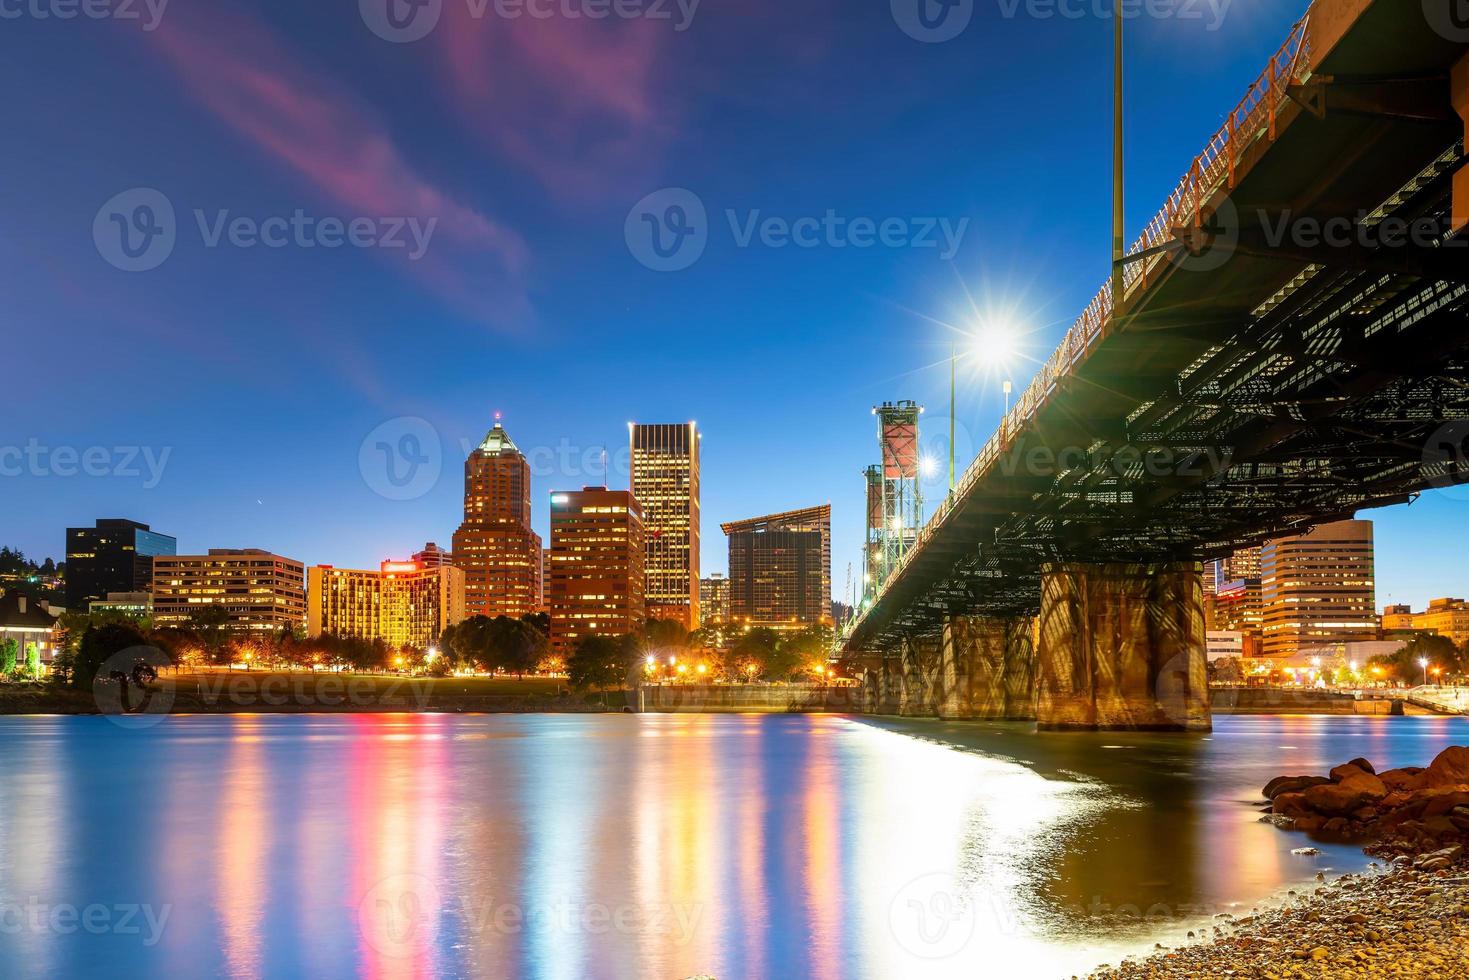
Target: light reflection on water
point(408, 846)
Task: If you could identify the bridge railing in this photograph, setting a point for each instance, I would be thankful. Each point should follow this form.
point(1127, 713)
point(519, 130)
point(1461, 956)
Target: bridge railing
point(1253, 118)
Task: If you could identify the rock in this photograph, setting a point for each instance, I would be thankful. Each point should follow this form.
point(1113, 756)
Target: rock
point(1346, 771)
point(1320, 953)
point(1451, 768)
point(1363, 765)
point(1292, 805)
point(1306, 851)
point(1291, 784)
point(1365, 783)
point(1401, 779)
point(1334, 800)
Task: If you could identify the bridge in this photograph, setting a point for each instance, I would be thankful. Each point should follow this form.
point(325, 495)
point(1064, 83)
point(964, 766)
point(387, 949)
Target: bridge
point(1289, 348)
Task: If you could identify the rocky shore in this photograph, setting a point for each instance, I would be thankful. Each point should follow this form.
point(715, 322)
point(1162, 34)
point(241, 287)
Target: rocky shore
point(1408, 919)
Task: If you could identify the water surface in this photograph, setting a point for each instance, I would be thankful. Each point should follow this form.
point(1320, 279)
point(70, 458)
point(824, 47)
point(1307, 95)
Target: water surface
point(640, 846)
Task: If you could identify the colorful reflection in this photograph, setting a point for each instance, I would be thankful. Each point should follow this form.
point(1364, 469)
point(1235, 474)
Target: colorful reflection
point(416, 846)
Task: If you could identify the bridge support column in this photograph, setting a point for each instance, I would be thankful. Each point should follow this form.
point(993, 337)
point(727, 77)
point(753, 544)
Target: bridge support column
point(1122, 647)
point(890, 688)
point(920, 676)
point(986, 669)
point(1460, 83)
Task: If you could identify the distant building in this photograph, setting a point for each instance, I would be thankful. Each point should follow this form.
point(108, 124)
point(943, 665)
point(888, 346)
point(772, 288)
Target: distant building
point(115, 555)
point(1220, 644)
point(1397, 618)
point(495, 545)
point(665, 481)
point(1318, 589)
point(1446, 617)
point(594, 582)
point(1237, 607)
point(138, 605)
point(714, 599)
point(432, 556)
point(780, 568)
point(402, 603)
point(260, 592)
point(27, 622)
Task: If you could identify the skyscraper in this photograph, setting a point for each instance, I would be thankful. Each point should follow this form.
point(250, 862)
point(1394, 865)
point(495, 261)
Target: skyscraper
point(594, 575)
point(1317, 588)
point(495, 545)
point(114, 556)
point(780, 568)
point(665, 482)
point(714, 599)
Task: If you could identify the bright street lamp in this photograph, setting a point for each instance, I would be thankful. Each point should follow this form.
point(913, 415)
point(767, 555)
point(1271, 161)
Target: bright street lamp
point(1423, 662)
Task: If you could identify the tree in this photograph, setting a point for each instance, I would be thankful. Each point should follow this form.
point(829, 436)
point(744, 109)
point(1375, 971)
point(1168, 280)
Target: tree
point(514, 645)
point(33, 662)
point(209, 622)
point(470, 641)
point(752, 654)
point(539, 621)
point(602, 662)
point(98, 645)
point(801, 652)
point(1439, 651)
point(8, 651)
point(664, 635)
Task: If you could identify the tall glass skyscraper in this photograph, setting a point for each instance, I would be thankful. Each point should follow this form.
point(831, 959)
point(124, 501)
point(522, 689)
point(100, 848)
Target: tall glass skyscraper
point(665, 483)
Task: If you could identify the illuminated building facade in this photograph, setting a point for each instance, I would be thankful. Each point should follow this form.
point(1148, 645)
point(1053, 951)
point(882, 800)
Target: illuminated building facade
point(665, 482)
point(1446, 617)
point(116, 555)
point(780, 569)
point(259, 592)
point(1396, 619)
point(402, 603)
point(1318, 588)
point(495, 545)
point(594, 574)
point(714, 599)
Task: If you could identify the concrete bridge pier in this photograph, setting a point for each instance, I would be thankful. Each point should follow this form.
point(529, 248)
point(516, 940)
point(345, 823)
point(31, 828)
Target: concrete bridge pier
point(986, 669)
point(889, 687)
point(1121, 646)
point(920, 673)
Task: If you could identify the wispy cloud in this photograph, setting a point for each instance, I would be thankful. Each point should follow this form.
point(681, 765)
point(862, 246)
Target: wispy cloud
point(575, 102)
point(323, 135)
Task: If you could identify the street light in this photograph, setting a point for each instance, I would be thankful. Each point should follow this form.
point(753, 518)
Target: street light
point(1423, 662)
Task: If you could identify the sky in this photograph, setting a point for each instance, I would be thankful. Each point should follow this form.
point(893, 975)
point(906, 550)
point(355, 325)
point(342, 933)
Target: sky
point(270, 269)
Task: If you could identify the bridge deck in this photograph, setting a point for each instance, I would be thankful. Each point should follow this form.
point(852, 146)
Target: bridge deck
point(1254, 388)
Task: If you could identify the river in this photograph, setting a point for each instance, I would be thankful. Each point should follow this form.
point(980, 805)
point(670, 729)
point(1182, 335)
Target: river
point(647, 846)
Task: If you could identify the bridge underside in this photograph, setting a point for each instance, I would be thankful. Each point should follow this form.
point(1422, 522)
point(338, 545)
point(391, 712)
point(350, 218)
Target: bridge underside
point(1256, 382)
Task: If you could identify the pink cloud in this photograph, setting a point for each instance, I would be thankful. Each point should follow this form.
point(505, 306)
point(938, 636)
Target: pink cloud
point(574, 101)
point(301, 118)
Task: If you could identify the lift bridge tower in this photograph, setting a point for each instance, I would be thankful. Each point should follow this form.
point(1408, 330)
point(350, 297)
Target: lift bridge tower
point(894, 494)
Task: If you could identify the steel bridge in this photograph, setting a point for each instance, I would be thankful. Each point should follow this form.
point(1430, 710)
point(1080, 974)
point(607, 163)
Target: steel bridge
point(1291, 347)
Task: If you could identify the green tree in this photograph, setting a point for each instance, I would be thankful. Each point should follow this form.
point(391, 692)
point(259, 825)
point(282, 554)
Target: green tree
point(664, 635)
point(602, 662)
point(515, 645)
point(209, 622)
point(8, 651)
point(752, 654)
point(799, 652)
point(470, 642)
point(99, 644)
point(33, 662)
point(1439, 651)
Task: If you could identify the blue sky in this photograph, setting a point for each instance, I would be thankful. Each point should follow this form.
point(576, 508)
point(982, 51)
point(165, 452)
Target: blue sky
point(262, 371)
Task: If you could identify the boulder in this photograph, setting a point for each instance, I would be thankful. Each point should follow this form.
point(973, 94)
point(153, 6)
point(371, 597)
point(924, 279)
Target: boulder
point(1363, 765)
point(1365, 783)
point(1292, 805)
point(1401, 779)
point(1291, 784)
point(1451, 768)
point(1334, 800)
point(1441, 803)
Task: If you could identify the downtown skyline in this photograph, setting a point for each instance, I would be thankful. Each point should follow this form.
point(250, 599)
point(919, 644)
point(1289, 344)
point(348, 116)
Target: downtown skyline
point(280, 363)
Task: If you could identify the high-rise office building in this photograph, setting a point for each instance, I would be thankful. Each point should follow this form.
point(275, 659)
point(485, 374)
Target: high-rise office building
point(714, 599)
point(403, 603)
point(665, 482)
point(495, 545)
point(594, 576)
point(114, 556)
point(1318, 588)
point(780, 568)
point(259, 591)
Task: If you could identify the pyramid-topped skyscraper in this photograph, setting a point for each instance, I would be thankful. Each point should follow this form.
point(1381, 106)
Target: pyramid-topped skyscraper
point(495, 546)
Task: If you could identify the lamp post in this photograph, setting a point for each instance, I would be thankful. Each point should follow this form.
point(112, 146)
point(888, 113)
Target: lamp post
point(1423, 662)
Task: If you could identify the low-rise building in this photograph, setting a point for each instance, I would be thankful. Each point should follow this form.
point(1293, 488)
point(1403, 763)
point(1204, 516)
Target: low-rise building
point(28, 623)
point(259, 592)
point(138, 605)
point(1446, 617)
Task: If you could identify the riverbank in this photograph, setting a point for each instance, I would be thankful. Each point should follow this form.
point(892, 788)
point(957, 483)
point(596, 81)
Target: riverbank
point(1399, 923)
